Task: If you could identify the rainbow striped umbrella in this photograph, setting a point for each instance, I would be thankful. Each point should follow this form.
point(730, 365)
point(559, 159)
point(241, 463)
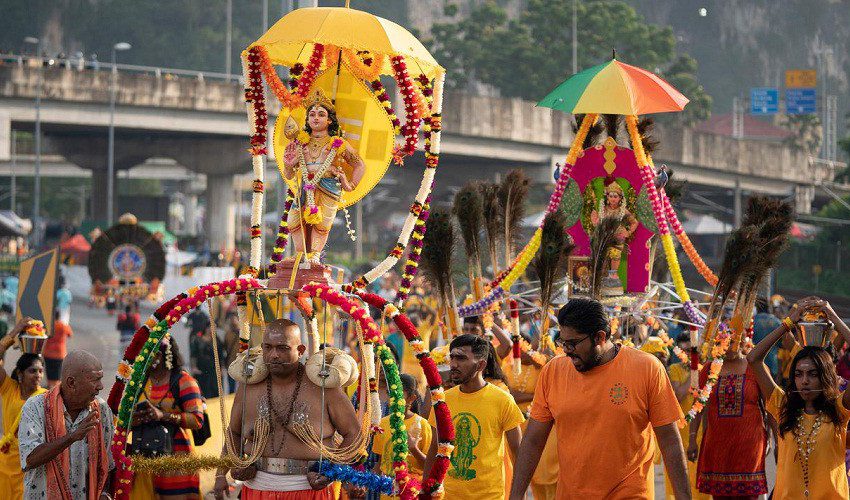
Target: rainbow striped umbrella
point(615, 88)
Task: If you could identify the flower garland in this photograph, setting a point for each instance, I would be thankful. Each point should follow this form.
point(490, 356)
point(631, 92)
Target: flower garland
point(412, 265)
point(142, 352)
point(410, 129)
point(123, 463)
point(312, 214)
point(381, 94)
point(521, 261)
point(282, 232)
point(255, 102)
point(415, 254)
point(445, 428)
point(515, 345)
point(647, 175)
point(366, 68)
point(300, 85)
point(407, 487)
point(718, 351)
point(432, 159)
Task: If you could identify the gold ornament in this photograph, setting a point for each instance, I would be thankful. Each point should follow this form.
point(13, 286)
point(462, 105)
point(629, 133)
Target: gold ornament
point(318, 98)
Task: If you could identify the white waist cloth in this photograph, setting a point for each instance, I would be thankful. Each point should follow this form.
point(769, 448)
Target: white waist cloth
point(265, 481)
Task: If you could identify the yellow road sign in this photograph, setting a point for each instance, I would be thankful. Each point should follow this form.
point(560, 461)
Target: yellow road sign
point(801, 78)
point(37, 287)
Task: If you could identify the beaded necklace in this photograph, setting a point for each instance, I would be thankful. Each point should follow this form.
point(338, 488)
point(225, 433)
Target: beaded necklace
point(805, 445)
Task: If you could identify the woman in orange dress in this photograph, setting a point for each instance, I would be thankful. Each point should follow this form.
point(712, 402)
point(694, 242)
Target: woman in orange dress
point(734, 441)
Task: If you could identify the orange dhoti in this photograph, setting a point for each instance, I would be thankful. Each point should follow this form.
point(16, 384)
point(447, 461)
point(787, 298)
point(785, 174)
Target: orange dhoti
point(323, 494)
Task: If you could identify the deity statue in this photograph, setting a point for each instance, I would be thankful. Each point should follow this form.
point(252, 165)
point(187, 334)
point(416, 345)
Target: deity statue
point(613, 204)
point(316, 162)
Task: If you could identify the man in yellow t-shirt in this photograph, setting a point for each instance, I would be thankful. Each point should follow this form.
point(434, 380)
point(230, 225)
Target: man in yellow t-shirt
point(597, 387)
point(484, 417)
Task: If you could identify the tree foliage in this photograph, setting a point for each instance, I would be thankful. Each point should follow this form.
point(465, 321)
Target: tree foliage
point(528, 56)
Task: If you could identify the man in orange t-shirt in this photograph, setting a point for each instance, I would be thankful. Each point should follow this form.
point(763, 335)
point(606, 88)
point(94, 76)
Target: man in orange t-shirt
point(55, 350)
point(605, 401)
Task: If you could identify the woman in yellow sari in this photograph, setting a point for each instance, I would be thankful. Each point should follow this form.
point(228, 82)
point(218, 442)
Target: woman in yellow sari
point(15, 389)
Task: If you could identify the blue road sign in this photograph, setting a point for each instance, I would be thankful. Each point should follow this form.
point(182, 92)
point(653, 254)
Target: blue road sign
point(764, 101)
point(802, 101)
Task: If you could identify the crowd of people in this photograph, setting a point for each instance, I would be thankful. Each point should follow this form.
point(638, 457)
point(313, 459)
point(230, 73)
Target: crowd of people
point(589, 416)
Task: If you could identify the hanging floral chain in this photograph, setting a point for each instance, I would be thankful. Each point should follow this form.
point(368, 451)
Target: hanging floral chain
point(412, 264)
point(408, 488)
point(381, 94)
point(445, 428)
point(718, 351)
point(686, 243)
point(410, 129)
point(304, 76)
point(282, 232)
point(432, 159)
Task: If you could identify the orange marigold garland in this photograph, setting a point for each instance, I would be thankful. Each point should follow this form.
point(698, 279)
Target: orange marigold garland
point(291, 99)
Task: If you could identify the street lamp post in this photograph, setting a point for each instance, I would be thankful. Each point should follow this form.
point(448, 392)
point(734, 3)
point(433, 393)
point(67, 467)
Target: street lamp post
point(110, 164)
point(36, 199)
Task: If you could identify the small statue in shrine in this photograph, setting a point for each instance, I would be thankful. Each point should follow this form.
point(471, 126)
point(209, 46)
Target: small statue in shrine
point(614, 204)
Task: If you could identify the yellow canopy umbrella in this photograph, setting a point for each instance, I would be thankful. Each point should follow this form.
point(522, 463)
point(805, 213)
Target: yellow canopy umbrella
point(291, 39)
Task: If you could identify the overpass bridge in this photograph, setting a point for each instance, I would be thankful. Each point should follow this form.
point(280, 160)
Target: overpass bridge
point(172, 124)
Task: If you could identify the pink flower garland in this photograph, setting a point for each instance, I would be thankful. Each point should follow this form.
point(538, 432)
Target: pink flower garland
point(442, 414)
point(184, 303)
point(408, 487)
point(410, 129)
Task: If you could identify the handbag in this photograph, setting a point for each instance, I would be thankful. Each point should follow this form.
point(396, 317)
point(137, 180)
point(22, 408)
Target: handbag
point(153, 439)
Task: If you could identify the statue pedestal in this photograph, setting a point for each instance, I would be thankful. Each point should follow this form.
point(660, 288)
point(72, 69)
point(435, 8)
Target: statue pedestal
point(307, 272)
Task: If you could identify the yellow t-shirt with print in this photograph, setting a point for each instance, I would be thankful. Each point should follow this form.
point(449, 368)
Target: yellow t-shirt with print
point(382, 443)
point(477, 463)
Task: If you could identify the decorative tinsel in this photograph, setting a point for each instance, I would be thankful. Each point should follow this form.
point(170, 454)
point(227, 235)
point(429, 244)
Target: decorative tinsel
point(187, 463)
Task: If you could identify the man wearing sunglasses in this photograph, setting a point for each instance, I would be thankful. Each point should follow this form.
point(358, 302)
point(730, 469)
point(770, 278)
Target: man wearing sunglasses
point(605, 402)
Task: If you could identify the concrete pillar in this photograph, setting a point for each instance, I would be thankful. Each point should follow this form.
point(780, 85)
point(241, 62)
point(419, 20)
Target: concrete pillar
point(98, 194)
point(220, 217)
point(5, 137)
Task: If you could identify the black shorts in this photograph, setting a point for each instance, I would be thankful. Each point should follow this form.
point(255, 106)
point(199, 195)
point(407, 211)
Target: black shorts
point(53, 368)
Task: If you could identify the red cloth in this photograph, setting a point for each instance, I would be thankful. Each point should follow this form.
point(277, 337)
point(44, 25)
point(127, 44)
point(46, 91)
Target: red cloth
point(54, 347)
point(731, 457)
point(58, 469)
point(249, 494)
